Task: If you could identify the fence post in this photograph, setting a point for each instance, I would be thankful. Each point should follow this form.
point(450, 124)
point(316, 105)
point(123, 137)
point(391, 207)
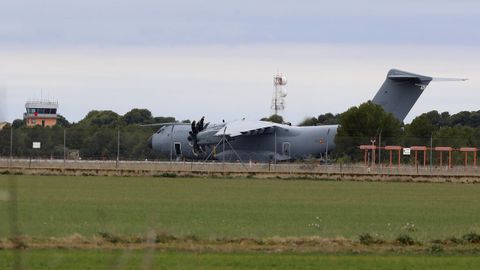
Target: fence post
point(64, 147)
point(431, 152)
point(11, 147)
point(118, 148)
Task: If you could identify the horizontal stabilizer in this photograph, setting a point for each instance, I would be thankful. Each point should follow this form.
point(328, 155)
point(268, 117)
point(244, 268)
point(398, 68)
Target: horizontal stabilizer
point(408, 77)
point(449, 79)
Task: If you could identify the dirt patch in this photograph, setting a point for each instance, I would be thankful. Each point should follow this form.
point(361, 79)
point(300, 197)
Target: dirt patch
point(275, 244)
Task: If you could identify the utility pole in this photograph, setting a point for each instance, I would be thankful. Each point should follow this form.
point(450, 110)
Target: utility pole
point(275, 146)
point(431, 151)
point(11, 145)
point(118, 148)
point(64, 147)
point(171, 144)
point(372, 140)
point(380, 148)
point(223, 149)
point(326, 149)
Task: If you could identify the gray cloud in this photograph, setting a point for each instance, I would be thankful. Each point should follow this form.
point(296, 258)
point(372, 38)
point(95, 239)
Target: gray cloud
point(220, 81)
point(157, 23)
point(160, 54)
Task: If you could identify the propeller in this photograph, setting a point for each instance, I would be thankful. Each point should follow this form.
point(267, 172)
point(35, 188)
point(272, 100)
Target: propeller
point(197, 127)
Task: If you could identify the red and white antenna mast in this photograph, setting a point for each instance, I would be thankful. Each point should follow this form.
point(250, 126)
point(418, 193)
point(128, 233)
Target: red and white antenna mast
point(279, 94)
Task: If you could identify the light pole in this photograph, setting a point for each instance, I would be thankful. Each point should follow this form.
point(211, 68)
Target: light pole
point(118, 148)
point(380, 147)
point(275, 145)
point(223, 149)
point(11, 146)
point(431, 151)
point(171, 144)
point(64, 147)
point(326, 149)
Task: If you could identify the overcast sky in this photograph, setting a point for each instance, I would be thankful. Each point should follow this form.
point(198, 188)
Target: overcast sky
point(217, 58)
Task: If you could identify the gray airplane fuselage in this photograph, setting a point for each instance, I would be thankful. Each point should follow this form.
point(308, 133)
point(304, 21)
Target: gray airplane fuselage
point(265, 141)
point(281, 143)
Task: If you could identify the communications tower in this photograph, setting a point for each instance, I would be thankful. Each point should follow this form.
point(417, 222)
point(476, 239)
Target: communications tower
point(279, 94)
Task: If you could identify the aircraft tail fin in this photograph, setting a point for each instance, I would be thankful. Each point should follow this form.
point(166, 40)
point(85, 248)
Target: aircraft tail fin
point(400, 91)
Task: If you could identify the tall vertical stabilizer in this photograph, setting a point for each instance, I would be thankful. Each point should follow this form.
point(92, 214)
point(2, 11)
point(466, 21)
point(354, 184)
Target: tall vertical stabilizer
point(400, 91)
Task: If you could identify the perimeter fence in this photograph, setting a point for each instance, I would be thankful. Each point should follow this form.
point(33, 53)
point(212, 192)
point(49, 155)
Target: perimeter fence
point(107, 147)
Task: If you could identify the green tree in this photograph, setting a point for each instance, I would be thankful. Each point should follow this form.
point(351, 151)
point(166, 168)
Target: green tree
point(323, 119)
point(328, 119)
point(101, 118)
point(274, 118)
point(437, 119)
point(420, 130)
point(168, 119)
point(18, 123)
point(138, 116)
point(358, 125)
point(461, 118)
point(5, 140)
point(458, 136)
point(62, 121)
point(309, 121)
point(100, 144)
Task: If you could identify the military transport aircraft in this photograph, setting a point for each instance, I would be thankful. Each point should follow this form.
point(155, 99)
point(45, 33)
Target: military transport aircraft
point(266, 141)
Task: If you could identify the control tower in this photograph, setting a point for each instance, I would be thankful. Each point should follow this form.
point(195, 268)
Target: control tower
point(40, 113)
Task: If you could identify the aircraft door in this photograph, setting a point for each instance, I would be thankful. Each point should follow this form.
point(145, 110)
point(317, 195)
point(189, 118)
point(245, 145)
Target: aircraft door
point(286, 148)
point(178, 149)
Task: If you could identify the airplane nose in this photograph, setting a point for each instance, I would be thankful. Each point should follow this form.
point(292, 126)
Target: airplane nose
point(150, 143)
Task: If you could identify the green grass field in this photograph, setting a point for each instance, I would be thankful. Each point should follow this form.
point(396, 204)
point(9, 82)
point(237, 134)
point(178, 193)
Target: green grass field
point(215, 208)
point(238, 208)
point(48, 259)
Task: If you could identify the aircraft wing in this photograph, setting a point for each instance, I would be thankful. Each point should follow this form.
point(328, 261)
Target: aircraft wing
point(246, 128)
point(166, 124)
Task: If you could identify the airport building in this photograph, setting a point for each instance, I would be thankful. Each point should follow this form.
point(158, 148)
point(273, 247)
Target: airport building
point(40, 113)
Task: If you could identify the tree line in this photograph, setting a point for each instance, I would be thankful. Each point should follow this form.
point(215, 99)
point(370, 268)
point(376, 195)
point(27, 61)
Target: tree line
point(95, 136)
point(369, 123)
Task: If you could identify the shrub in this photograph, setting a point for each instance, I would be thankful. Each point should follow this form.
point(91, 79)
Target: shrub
point(405, 240)
point(435, 249)
point(437, 241)
point(368, 239)
point(166, 175)
point(164, 237)
point(192, 237)
point(455, 240)
point(472, 238)
point(110, 237)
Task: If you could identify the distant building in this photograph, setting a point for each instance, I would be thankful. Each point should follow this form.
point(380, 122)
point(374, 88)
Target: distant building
point(41, 113)
point(2, 124)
